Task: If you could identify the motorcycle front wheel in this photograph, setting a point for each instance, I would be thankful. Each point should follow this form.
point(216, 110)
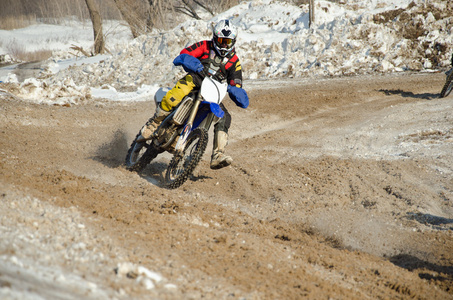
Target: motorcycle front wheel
point(448, 86)
point(183, 164)
point(140, 155)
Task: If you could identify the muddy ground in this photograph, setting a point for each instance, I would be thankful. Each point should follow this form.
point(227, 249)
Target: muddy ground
point(340, 188)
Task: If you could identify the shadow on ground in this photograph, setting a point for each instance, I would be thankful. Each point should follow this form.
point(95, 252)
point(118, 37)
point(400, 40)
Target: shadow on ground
point(412, 263)
point(427, 96)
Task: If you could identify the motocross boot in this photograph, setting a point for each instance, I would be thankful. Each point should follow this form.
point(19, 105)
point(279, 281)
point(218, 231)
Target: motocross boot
point(219, 159)
point(148, 129)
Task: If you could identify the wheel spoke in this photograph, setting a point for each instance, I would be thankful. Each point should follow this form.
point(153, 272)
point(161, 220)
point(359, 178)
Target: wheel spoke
point(139, 155)
point(182, 165)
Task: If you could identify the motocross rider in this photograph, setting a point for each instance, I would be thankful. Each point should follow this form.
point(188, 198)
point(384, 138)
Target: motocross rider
point(218, 58)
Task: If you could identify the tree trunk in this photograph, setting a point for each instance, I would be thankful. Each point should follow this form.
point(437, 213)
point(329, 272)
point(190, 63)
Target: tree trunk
point(134, 24)
point(206, 7)
point(312, 13)
point(155, 15)
point(99, 45)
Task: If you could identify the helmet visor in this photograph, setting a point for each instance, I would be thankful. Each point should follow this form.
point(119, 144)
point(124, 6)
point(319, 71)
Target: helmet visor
point(224, 42)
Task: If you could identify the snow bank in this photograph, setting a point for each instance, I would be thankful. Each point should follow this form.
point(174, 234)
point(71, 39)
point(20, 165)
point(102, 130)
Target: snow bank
point(351, 37)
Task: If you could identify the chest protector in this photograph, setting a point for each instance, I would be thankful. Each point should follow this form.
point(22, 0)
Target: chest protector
point(216, 65)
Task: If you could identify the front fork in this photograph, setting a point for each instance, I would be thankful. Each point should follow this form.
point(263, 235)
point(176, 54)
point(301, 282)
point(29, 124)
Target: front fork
point(180, 145)
point(206, 123)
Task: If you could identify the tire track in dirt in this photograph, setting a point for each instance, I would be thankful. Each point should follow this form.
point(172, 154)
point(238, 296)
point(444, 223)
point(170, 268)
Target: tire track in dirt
point(291, 218)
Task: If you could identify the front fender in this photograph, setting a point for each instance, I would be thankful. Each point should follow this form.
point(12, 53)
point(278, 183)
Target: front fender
point(215, 109)
point(206, 108)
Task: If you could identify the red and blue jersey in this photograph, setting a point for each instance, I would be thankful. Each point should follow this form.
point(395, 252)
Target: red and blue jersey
point(222, 68)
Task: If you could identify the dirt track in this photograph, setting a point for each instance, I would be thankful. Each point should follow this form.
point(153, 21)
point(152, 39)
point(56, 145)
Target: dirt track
point(340, 189)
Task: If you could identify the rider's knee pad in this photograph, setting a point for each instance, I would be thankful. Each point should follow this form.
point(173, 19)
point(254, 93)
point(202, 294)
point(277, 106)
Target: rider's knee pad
point(174, 96)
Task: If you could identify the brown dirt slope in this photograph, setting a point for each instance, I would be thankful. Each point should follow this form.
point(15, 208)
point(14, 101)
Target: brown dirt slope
point(340, 189)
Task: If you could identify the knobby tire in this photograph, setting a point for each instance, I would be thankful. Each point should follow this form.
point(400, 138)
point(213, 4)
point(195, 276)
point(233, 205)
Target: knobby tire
point(181, 168)
point(137, 166)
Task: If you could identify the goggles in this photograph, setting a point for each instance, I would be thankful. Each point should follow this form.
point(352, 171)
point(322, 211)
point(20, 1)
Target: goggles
point(224, 41)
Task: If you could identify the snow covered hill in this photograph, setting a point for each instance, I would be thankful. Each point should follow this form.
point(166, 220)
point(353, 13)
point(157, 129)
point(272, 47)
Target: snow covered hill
point(350, 37)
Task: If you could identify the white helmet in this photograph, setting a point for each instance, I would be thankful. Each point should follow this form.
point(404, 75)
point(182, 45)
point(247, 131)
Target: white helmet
point(224, 37)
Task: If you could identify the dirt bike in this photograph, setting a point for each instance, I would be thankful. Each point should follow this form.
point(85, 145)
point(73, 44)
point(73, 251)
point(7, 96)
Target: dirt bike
point(183, 133)
point(448, 86)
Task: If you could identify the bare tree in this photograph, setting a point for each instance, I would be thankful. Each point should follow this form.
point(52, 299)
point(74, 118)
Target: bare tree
point(136, 23)
point(143, 15)
point(311, 13)
point(205, 6)
point(157, 12)
point(99, 44)
point(187, 8)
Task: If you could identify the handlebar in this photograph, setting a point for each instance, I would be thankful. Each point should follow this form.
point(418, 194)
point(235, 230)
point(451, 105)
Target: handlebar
point(203, 73)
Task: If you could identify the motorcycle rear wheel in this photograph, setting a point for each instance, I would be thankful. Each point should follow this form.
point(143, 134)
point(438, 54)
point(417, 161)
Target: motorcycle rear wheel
point(182, 165)
point(140, 155)
point(448, 86)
